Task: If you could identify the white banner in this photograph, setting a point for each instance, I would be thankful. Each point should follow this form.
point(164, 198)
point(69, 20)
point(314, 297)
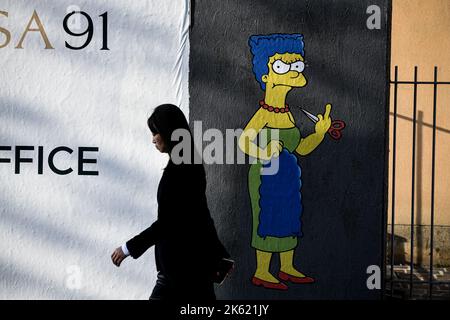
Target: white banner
point(78, 171)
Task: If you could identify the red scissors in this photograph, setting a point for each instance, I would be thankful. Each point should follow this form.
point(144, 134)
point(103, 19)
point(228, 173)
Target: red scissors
point(336, 125)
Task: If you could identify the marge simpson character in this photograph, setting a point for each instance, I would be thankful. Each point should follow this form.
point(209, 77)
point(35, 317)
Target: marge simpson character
point(278, 63)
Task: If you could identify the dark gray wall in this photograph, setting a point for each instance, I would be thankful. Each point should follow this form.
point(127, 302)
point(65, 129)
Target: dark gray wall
point(344, 183)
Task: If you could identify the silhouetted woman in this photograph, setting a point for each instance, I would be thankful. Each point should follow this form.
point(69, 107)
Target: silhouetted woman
point(187, 249)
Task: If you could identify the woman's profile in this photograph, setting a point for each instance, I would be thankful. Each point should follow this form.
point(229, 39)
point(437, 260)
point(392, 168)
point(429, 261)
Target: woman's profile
point(187, 248)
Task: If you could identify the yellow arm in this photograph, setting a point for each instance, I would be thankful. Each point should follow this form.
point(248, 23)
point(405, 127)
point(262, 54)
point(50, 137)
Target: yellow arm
point(311, 142)
point(308, 144)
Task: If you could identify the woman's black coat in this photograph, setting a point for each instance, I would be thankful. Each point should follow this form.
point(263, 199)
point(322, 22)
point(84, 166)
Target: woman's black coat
point(186, 243)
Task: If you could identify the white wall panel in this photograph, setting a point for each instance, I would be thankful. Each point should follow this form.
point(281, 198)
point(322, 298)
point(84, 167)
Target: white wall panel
point(53, 226)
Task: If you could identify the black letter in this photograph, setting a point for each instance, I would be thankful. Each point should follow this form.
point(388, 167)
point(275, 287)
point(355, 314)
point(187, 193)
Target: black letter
point(40, 159)
point(52, 165)
point(5, 160)
point(19, 159)
point(81, 161)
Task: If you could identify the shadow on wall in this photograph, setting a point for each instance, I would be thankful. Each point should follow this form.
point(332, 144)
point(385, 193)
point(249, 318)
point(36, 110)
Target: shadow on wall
point(227, 86)
point(46, 230)
point(55, 235)
point(27, 283)
point(422, 232)
point(147, 32)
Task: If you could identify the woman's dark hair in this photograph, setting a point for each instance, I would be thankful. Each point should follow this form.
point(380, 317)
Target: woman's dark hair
point(164, 120)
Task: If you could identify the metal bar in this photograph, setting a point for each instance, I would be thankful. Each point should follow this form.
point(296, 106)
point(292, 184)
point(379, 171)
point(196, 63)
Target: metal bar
point(420, 281)
point(419, 82)
point(394, 149)
point(433, 161)
point(386, 173)
point(413, 183)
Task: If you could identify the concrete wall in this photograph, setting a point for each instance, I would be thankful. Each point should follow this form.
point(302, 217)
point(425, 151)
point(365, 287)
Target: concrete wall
point(343, 182)
point(58, 231)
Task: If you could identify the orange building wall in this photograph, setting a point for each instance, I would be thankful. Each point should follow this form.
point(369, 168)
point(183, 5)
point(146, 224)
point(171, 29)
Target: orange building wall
point(421, 37)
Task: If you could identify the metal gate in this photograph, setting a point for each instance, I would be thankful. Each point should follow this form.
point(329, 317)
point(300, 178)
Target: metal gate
point(416, 278)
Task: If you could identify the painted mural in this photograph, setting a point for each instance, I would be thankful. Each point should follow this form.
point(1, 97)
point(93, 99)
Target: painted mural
point(276, 200)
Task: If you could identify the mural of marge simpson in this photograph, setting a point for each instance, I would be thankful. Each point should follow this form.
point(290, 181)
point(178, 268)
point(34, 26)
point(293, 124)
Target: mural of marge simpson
point(278, 64)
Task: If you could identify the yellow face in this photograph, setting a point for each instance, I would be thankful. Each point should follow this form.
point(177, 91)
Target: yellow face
point(285, 70)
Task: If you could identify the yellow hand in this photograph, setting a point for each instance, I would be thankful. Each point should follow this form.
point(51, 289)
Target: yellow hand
point(324, 122)
point(311, 142)
point(273, 149)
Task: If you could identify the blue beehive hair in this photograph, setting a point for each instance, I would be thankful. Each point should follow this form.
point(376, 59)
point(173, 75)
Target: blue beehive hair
point(265, 46)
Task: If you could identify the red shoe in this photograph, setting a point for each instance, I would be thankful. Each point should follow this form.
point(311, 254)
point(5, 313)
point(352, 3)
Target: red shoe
point(287, 277)
point(269, 285)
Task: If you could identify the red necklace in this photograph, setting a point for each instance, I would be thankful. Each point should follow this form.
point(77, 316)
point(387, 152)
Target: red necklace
point(273, 109)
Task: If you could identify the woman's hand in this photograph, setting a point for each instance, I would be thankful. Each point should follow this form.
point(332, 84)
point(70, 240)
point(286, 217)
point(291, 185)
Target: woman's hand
point(324, 122)
point(118, 256)
point(273, 149)
point(311, 142)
